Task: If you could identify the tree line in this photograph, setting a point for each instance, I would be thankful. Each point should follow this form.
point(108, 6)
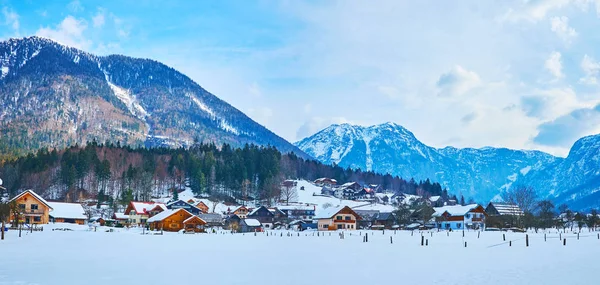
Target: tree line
point(116, 174)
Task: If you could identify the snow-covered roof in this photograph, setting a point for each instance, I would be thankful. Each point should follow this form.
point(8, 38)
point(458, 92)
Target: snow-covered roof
point(192, 217)
point(328, 213)
point(34, 195)
point(457, 210)
point(143, 207)
point(165, 214)
point(296, 207)
point(121, 216)
point(507, 209)
point(252, 222)
point(434, 198)
point(67, 210)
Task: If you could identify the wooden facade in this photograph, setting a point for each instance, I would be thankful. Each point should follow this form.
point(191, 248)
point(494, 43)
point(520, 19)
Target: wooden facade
point(173, 220)
point(33, 209)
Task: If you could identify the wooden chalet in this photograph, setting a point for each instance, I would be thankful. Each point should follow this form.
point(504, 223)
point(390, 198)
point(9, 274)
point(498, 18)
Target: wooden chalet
point(460, 217)
point(232, 222)
point(264, 216)
point(241, 212)
point(33, 209)
point(338, 218)
point(174, 220)
point(324, 181)
point(180, 204)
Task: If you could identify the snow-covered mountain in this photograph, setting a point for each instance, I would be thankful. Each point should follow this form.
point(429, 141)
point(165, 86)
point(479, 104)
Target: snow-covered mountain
point(54, 96)
point(390, 148)
point(574, 180)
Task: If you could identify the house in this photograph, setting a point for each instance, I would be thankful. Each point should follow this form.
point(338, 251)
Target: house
point(120, 218)
point(139, 212)
point(180, 204)
point(212, 220)
point(324, 181)
point(352, 185)
point(289, 183)
point(386, 220)
point(367, 217)
point(327, 191)
point(264, 216)
point(203, 207)
point(436, 201)
point(460, 217)
point(174, 220)
point(250, 225)
point(72, 213)
point(300, 212)
point(503, 215)
point(503, 209)
point(365, 194)
point(33, 209)
point(158, 208)
point(302, 225)
point(337, 218)
point(344, 193)
point(232, 222)
point(241, 212)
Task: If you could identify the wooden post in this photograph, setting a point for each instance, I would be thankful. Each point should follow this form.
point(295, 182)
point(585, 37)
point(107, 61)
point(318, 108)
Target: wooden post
point(565, 241)
point(503, 237)
point(366, 237)
point(544, 237)
point(426, 242)
point(463, 233)
point(391, 241)
point(20, 228)
point(412, 233)
point(577, 236)
point(526, 240)
point(465, 244)
point(422, 240)
point(510, 243)
point(560, 236)
point(447, 233)
point(478, 233)
point(2, 238)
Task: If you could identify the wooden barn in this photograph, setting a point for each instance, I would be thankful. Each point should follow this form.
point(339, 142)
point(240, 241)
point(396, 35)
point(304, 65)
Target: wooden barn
point(250, 225)
point(72, 213)
point(180, 204)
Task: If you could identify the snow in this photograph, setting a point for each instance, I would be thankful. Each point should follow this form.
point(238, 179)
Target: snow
point(67, 210)
point(525, 170)
point(223, 124)
point(142, 207)
point(457, 210)
point(4, 71)
point(40, 257)
point(252, 222)
point(121, 216)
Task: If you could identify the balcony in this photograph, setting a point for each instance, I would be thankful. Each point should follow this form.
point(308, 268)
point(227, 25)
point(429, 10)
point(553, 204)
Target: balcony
point(344, 221)
point(33, 212)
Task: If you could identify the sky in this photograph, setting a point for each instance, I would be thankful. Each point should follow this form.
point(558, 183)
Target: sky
point(470, 73)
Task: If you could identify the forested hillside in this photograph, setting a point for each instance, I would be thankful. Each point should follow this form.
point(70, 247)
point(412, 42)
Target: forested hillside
point(119, 174)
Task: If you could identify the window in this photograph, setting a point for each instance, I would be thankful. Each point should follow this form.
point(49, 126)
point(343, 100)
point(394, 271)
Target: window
point(458, 225)
point(347, 218)
point(22, 206)
point(468, 216)
point(339, 226)
point(339, 218)
point(34, 206)
point(325, 226)
point(37, 219)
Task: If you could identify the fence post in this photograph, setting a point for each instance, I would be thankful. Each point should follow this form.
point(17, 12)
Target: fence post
point(478, 233)
point(544, 237)
point(526, 240)
point(503, 237)
point(426, 242)
point(422, 240)
point(465, 244)
point(565, 241)
point(391, 241)
point(577, 236)
point(510, 243)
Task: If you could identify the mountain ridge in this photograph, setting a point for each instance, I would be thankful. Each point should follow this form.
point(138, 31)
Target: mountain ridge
point(483, 173)
point(67, 96)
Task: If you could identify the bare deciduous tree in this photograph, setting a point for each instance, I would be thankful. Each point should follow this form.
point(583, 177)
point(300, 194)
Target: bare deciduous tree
point(523, 196)
point(289, 193)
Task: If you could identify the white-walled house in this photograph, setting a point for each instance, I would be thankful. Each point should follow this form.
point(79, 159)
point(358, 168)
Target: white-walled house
point(460, 217)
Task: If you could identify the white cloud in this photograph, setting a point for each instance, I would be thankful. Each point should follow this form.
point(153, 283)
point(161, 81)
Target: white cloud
point(261, 115)
point(549, 104)
point(533, 11)
point(254, 90)
point(591, 69)
point(75, 6)
point(560, 26)
point(554, 65)
point(69, 32)
point(11, 18)
point(98, 19)
point(457, 81)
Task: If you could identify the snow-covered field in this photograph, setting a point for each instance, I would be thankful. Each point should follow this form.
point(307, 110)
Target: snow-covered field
point(127, 257)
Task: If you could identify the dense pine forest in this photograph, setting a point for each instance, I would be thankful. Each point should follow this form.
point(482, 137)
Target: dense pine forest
point(118, 174)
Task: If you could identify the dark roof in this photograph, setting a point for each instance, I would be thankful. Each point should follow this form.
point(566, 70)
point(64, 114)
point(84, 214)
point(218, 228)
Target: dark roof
point(384, 216)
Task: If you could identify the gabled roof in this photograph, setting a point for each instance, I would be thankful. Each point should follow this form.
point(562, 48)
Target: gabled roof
point(211, 218)
point(143, 207)
point(332, 211)
point(121, 216)
point(506, 208)
point(67, 211)
point(35, 195)
point(257, 209)
point(457, 210)
point(192, 218)
point(251, 222)
point(165, 214)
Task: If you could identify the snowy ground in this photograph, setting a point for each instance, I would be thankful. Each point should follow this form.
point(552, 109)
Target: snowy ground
point(127, 257)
